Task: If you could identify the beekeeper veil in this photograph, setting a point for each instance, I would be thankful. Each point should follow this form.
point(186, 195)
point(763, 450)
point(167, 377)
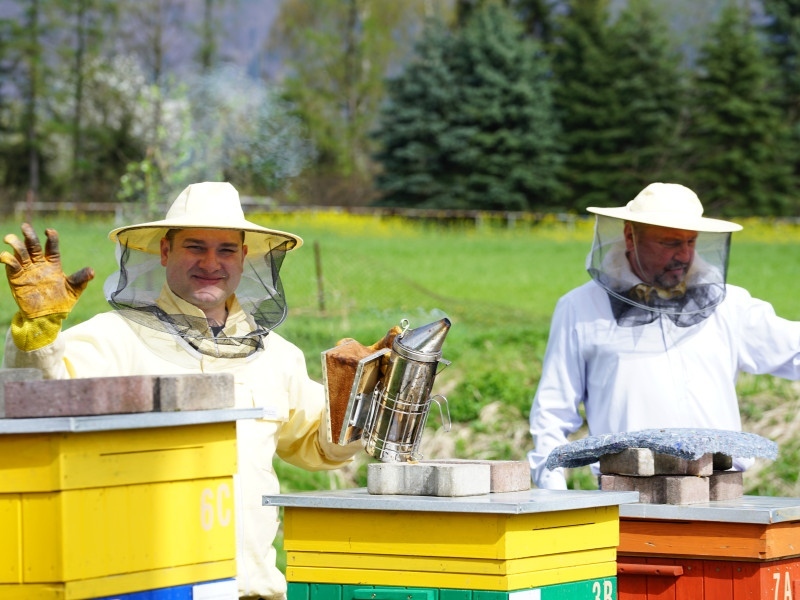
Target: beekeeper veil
point(637, 302)
point(138, 290)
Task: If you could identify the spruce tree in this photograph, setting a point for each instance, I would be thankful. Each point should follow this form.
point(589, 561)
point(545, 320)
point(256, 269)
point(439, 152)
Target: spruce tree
point(619, 97)
point(783, 34)
point(469, 123)
point(649, 99)
point(740, 140)
point(584, 100)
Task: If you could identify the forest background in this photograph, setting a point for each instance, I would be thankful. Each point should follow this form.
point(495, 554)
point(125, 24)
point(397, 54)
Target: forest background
point(507, 105)
point(493, 123)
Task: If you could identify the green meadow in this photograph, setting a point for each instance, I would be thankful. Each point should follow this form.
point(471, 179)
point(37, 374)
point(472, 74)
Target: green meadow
point(357, 276)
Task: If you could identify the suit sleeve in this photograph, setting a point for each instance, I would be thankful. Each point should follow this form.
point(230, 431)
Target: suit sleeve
point(555, 410)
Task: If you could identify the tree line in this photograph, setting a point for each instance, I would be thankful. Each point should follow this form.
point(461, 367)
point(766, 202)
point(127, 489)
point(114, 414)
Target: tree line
point(511, 105)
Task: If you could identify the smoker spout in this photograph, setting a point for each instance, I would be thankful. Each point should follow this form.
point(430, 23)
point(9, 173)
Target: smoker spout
point(426, 340)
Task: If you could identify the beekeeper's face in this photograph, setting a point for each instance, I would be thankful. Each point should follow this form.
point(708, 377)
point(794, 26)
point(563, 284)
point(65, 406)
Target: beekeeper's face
point(659, 256)
point(204, 267)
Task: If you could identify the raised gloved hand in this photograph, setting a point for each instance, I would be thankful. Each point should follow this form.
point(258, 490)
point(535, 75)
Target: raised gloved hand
point(36, 278)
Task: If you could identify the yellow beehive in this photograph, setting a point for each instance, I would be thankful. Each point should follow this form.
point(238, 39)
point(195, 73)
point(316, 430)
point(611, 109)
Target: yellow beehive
point(98, 513)
point(479, 551)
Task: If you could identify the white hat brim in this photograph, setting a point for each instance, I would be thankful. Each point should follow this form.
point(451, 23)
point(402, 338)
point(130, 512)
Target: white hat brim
point(668, 219)
point(147, 236)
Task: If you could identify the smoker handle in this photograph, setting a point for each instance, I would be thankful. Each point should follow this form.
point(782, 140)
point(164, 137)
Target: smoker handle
point(446, 423)
point(379, 593)
point(651, 570)
point(444, 363)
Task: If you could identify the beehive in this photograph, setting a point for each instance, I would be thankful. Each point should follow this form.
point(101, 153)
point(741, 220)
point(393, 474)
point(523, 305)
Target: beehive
point(89, 514)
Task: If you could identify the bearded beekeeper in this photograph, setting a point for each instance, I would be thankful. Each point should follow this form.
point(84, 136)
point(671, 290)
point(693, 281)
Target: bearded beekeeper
point(198, 291)
point(657, 338)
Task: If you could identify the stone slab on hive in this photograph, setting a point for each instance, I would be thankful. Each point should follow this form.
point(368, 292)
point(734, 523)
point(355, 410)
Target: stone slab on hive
point(15, 375)
point(685, 489)
point(78, 397)
point(505, 475)
point(666, 464)
point(643, 462)
point(429, 479)
point(201, 391)
point(660, 489)
point(726, 485)
point(93, 396)
point(631, 461)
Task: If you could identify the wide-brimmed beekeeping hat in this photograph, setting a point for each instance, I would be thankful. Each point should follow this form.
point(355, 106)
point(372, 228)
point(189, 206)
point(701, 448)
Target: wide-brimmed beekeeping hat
point(668, 205)
point(208, 205)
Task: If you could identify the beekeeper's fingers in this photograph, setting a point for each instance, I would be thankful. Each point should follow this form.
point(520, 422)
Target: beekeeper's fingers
point(80, 279)
point(51, 249)
point(20, 251)
point(32, 243)
point(10, 261)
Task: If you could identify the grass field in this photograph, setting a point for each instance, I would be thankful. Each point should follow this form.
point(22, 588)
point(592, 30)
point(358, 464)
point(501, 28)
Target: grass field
point(498, 285)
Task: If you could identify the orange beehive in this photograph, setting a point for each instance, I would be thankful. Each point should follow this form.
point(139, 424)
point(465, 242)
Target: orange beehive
point(748, 548)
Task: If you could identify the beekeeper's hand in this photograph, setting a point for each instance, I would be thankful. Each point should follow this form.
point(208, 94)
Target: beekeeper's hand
point(36, 278)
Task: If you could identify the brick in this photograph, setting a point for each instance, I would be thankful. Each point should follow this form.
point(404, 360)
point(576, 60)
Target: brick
point(201, 391)
point(509, 476)
point(15, 375)
point(651, 489)
point(463, 480)
point(427, 479)
point(631, 461)
point(726, 485)
point(722, 462)
point(660, 489)
point(505, 475)
point(79, 397)
point(666, 464)
point(399, 478)
point(685, 489)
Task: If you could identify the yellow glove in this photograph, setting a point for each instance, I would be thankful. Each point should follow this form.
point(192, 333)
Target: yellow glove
point(37, 281)
point(45, 295)
point(32, 334)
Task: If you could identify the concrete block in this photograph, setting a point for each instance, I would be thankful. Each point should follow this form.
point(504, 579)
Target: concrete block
point(505, 475)
point(631, 461)
point(667, 464)
point(660, 489)
point(685, 489)
point(428, 479)
point(726, 485)
point(79, 397)
point(509, 476)
point(722, 462)
point(651, 489)
point(463, 480)
point(15, 375)
point(201, 391)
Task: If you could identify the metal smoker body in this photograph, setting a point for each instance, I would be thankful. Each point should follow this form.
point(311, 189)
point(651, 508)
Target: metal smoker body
point(401, 398)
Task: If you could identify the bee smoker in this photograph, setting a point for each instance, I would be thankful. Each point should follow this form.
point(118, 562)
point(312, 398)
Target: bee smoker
point(401, 399)
point(387, 392)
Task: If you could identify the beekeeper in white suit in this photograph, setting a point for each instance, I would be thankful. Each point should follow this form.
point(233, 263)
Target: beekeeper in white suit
point(656, 338)
point(198, 291)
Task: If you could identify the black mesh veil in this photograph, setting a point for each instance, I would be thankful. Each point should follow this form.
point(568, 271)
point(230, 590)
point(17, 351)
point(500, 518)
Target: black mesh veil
point(139, 292)
point(633, 304)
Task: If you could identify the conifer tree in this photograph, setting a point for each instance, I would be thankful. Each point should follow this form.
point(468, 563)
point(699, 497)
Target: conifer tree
point(469, 123)
point(783, 34)
point(649, 93)
point(584, 98)
point(619, 97)
point(740, 140)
